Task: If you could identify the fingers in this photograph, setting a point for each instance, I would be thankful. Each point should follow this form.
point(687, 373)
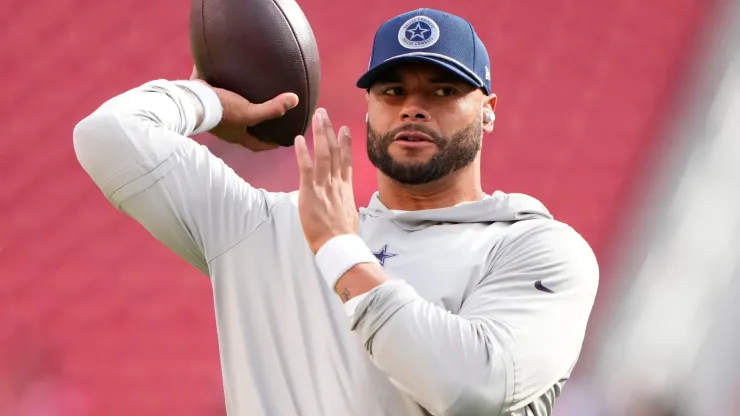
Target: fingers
point(333, 144)
point(305, 164)
point(328, 146)
point(345, 151)
point(321, 146)
point(252, 113)
point(333, 157)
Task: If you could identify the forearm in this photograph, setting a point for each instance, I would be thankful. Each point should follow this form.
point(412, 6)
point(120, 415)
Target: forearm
point(444, 361)
point(465, 363)
point(131, 134)
point(448, 364)
point(164, 103)
point(360, 280)
point(135, 148)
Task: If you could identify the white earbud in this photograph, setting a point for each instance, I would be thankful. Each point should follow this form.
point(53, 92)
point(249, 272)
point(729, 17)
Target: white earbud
point(367, 117)
point(488, 116)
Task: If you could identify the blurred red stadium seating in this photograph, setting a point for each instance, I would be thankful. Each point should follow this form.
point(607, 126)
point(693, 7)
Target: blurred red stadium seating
point(582, 87)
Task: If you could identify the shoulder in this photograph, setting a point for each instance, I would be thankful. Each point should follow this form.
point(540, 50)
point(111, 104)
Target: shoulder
point(546, 244)
point(544, 232)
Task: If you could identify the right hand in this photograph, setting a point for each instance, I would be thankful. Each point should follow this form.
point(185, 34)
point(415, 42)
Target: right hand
point(239, 114)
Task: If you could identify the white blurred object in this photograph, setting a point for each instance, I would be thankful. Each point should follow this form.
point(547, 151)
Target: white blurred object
point(676, 329)
point(578, 399)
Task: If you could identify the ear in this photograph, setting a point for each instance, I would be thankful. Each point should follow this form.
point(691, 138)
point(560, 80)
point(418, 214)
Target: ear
point(489, 105)
point(492, 100)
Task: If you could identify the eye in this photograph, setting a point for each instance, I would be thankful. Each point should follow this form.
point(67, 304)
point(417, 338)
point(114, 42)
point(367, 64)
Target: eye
point(393, 91)
point(445, 92)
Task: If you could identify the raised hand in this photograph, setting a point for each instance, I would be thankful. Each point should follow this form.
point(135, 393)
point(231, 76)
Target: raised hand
point(240, 113)
point(326, 201)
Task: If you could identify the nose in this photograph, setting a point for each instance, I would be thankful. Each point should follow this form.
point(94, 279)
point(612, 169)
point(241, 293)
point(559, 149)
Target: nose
point(413, 110)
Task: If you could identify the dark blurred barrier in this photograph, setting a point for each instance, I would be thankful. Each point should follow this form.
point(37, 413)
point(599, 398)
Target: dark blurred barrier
point(581, 84)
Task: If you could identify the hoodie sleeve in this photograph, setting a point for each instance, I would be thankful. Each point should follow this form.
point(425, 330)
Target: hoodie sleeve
point(517, 334)
point(135, 147)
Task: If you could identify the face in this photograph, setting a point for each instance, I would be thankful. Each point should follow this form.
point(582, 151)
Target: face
point(424, 123)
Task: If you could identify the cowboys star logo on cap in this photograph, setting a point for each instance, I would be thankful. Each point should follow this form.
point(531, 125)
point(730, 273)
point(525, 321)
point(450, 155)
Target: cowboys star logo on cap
point(418, 32)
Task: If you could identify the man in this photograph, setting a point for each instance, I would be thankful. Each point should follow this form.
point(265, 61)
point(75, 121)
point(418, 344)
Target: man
point(459, 303)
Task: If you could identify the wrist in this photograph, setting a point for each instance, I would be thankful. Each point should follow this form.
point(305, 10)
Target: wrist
point(316, 246)
point(196, 105)
point(341, 253)
point(359, 280)
point(206, 103)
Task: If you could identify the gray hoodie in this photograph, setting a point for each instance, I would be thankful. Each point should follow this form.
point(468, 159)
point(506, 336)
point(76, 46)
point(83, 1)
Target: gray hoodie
point(488, 307)
point(485, 312)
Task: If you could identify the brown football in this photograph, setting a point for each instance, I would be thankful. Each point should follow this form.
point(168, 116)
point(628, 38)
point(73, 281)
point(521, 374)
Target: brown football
point(259, 49)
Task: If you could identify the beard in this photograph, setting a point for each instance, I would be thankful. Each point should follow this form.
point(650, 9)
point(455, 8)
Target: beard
point(454, 153)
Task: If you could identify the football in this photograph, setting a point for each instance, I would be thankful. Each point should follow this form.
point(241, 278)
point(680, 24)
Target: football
point(259, 49)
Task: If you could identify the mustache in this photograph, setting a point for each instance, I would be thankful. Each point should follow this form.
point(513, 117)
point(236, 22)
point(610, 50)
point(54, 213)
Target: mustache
point(436, 138)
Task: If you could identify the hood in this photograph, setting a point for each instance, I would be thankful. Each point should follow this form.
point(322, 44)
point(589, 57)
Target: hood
point(498, 207)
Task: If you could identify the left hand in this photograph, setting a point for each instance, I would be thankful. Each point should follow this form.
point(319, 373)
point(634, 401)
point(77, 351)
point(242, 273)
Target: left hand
point(326, 201)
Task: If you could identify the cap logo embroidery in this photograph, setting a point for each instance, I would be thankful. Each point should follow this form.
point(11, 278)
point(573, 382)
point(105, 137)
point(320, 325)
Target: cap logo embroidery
point(418, 33)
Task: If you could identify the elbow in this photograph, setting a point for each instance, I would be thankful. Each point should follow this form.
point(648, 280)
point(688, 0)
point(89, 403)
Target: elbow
point(88, 138)
point(97, 142)
point(480, 388)
point(97, 127)
point(471, 396)
point(82, 137)
point(85, 131)
point(474, 400)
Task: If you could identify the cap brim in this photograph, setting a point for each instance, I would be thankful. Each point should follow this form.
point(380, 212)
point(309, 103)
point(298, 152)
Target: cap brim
point(368, 79)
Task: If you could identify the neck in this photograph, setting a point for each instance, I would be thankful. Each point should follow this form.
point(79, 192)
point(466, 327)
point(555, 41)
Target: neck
point(457, 187)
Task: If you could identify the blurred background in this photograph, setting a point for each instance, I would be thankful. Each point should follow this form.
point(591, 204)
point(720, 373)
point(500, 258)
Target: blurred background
point(622, 116)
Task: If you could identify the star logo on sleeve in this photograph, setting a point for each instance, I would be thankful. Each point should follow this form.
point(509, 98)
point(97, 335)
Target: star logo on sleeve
point(383, 254)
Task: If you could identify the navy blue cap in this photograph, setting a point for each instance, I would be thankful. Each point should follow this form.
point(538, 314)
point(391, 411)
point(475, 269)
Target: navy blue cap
point(440, 38)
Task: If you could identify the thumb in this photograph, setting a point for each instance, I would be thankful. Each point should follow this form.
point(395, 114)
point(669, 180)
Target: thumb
point(274, 108)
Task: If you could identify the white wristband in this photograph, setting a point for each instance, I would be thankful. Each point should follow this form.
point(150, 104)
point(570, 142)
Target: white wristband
point(340, 254)
point(212, 109)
